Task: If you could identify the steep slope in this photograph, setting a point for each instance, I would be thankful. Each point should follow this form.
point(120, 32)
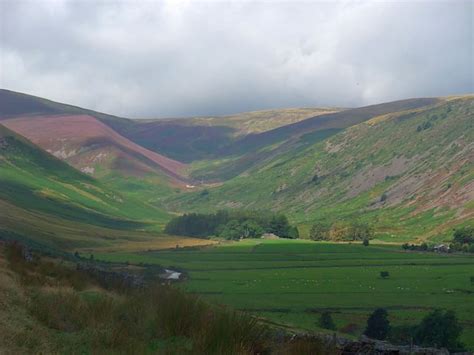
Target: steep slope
point(255, 150)
point(91, 146)
point(46, 201)
point(410, 173)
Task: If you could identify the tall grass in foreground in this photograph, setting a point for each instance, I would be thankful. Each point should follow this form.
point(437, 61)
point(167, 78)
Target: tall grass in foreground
point(82, 317)
point(152, 320)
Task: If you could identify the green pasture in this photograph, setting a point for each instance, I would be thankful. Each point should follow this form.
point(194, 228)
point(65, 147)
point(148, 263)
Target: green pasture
point(292, 281)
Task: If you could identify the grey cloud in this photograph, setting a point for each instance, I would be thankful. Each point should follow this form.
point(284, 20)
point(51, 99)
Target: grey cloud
point(157, 59)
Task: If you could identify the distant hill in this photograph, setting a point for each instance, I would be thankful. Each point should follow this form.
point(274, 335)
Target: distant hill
point(183, 139)
point(197, 138)
point(407, 168)
point(46, 201)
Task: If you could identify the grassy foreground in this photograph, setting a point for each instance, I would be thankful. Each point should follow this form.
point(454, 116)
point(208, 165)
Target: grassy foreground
point(293, 281)
point(50, 307)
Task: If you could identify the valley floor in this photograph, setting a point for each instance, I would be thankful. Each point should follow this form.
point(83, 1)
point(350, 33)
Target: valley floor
point(292, 282)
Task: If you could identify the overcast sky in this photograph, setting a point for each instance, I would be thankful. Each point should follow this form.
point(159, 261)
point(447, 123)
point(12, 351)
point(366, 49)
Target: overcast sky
point(184, 58)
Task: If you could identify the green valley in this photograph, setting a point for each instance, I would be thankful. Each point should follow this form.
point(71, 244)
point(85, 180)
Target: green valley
point(291, 282)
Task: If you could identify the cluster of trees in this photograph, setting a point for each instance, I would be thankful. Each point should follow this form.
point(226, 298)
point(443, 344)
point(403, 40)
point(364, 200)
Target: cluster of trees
point(421, 247)
point(341, 231)
point(440, 329)
point(233, 224)
point(463, 240)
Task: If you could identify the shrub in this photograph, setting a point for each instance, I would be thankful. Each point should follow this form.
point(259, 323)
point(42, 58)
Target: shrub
point(440, 329)
point(319, 231)
point(326, 321)
point(378, 325)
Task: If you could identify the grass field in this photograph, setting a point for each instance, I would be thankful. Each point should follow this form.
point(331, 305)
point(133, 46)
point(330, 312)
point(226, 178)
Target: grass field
point(292, 282)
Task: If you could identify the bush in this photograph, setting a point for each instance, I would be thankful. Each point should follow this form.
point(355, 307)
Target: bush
point(378, 325)
point(440, 329)
point(464, 235)
point(319, 231)
point(326, 321)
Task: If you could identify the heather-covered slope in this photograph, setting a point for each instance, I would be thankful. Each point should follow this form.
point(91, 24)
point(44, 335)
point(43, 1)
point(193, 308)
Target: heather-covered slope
point(410, 173)
point(184, 139)
point(196, 138)
point(92, 147)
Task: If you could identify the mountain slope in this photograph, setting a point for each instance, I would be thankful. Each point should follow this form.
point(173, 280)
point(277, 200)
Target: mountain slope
point(196, 138)
point(254, 150)
point(89, 145)
point(184, 139)
point(45, 200)
point(409, 173)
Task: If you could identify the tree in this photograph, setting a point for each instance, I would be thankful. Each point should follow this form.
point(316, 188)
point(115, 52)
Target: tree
point(378, 325)
point(231, 230)
point(279, 225)
point(384, 274)
point(464, 235)
point(359, 231)
point(251, 229)
point(326, 322)
point(293, 233)
point(319, 231)
point(440, 329)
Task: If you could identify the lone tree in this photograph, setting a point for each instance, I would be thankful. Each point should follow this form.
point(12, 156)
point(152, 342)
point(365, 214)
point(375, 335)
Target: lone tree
point(378, 325)
point(326, 321)
point(440, 329)
point(384, 274)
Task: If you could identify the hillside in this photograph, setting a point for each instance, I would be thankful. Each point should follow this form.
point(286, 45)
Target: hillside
point(254, 150)
point(45, 201)
point(410, 173)
point(183, 139)
point(196, 138)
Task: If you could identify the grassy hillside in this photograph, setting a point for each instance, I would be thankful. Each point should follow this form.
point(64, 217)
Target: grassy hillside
point(409, 173)
point(46, 200)
point(255, 150)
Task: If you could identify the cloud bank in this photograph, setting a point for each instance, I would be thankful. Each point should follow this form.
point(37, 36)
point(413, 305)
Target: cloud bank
point(182, 58)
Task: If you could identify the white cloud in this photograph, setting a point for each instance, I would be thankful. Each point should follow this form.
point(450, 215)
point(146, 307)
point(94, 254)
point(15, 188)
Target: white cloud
point(172, 58)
